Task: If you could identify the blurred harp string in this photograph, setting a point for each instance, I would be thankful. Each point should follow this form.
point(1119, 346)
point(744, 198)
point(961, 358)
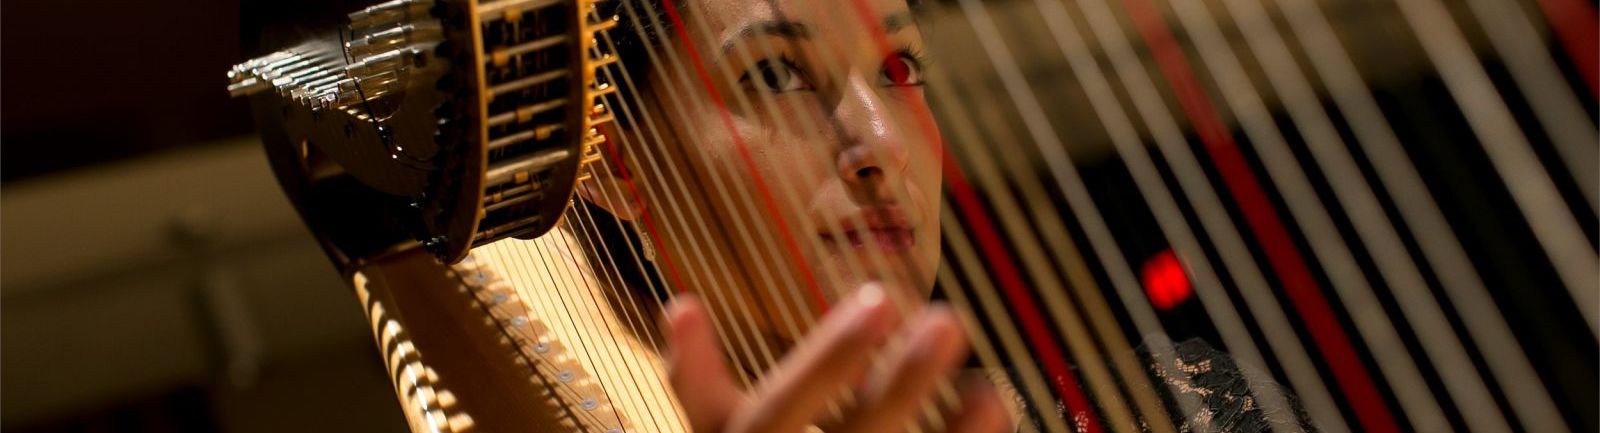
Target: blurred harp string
point(1386, 210)
point(1381, 306)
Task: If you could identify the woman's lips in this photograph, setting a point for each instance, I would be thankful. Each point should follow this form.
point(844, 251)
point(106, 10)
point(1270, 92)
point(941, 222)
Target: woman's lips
point(886, 228)
point(888, 239)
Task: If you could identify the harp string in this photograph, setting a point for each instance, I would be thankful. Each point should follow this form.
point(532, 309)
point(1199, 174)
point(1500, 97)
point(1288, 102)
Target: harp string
point(598, 335)
point(770, 285)
point(1072, 186)
point(1510, 153)
point(1301, 127)
point(1036, 330)
point(618, 284)
point(587, 322)
point(1054, 233)
point(764, 190)
point(727, 312)
point(807, 173)
point(1132, 373)
point(669, 51)
point(538, 264)
point(1575, 27)
point(714, 299)
point(529, 307)
point(1304, 292)
point(1404, 280)
point(647, 380)
point(643, 327)
point(598, 307)
point(980, 346)
point(578, 329)
point(1047, 284)
point(1048, 13)
point(583, 337)
point(1483, 321)
point(1047, 291)
point(826, 48)
point(647, 222)
point(669, 98)
point(480, 274)
point(826, 270)
point(727, 75)
point(1416, 205)
point(1252, 286)
point(615, 164)
point(531, 265)
point(1125, 139)
point(624, 302)
point(962, 305)
point(1038, 269)
point(1032, 376)
point(809, 125)
point(674, 97)
point(992, 50)
point(1554, 103)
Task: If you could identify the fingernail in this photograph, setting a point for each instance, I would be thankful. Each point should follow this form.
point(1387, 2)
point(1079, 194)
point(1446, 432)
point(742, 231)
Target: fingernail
point(870, 317)
point(869, 296)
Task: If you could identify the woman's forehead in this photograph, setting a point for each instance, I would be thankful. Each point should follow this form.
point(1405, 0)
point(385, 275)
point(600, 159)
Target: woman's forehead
point(731, 20)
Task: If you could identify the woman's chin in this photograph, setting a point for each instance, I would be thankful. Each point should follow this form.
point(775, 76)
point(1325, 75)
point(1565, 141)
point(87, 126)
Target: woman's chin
point(907, 270)
point(894, 284)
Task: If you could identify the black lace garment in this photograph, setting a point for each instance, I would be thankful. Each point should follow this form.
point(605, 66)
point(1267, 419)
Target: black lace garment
point(1213, 385)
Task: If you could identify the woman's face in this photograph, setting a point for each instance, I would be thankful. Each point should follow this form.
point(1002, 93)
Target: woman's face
point(818, 141)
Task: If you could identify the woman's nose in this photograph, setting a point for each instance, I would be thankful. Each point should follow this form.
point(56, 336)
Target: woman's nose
point(872, 150)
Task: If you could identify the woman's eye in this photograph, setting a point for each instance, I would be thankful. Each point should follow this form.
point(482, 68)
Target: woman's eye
point(774, 76)
point(902, 69)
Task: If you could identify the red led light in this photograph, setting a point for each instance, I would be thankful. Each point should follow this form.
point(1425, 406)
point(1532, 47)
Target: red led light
point(1165, 283)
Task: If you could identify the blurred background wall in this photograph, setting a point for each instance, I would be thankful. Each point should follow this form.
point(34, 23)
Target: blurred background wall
point(152, 276)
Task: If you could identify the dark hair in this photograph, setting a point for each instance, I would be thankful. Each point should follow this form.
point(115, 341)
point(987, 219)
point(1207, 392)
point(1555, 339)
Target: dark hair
point(637, 31)
point(631, 41)
point(642, 25)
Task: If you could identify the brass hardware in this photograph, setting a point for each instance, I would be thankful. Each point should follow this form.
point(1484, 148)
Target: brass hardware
point(443, 112)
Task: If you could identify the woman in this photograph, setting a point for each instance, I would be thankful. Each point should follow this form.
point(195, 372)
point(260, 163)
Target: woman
point(799, 105)
point(777, 160)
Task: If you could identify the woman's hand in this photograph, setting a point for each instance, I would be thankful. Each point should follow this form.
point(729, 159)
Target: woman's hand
point(836, 354)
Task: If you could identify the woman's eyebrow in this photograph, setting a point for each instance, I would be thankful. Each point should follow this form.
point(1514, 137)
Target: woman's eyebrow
point(896, 22)
point(781, 28)
point(789, 29)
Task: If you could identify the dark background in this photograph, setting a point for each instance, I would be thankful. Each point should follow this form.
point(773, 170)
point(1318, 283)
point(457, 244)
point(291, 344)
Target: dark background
point(90, 81)
point(155, 279)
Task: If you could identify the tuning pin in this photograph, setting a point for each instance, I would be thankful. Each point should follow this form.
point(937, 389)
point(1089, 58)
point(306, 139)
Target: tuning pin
point(387, 12)
point(247, 87)
point(435, 244)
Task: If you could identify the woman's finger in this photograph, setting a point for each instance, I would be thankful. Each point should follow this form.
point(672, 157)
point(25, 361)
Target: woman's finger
point(891, 402)
point(696, 367)
point(834, 353)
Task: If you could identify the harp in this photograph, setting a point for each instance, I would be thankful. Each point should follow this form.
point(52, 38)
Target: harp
point(1381, 214)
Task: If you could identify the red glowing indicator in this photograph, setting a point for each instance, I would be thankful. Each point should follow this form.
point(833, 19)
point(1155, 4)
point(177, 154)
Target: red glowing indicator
point(1165, 282)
